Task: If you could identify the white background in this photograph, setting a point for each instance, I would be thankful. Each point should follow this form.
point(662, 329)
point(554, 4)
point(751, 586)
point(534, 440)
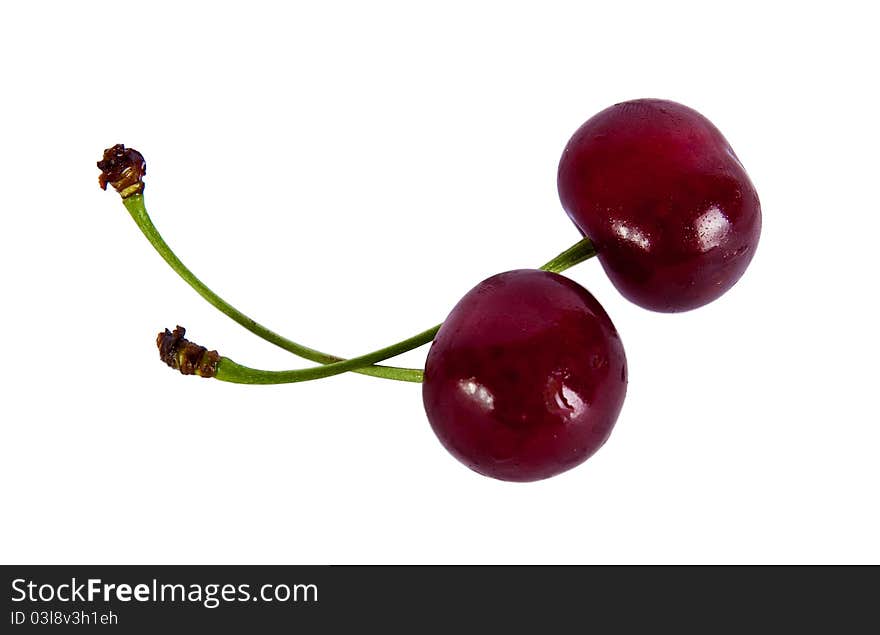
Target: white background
point(344, 172)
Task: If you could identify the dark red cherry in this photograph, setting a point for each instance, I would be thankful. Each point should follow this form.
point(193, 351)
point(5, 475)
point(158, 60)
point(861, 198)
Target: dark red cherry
point(526, 377)
point(667, 203)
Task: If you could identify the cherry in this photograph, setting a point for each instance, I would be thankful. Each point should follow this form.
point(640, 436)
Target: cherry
point(526, 376)
point(669, 207)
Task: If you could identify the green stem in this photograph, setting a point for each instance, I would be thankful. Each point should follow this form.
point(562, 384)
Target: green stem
point(228, 370)
point(231, 371)
point(135, 206)
point(578, 252)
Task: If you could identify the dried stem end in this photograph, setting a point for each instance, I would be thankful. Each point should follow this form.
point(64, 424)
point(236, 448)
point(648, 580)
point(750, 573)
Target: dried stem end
point(189, 358)
point(124, 169)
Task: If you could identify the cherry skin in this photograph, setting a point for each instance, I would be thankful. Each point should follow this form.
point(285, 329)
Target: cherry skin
point(526, 377)
point(669, 207)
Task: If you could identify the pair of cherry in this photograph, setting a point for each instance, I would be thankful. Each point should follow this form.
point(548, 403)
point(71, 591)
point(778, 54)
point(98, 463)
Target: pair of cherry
point(526, 377)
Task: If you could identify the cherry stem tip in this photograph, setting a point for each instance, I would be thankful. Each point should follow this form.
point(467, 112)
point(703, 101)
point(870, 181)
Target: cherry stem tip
point(124, 169)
